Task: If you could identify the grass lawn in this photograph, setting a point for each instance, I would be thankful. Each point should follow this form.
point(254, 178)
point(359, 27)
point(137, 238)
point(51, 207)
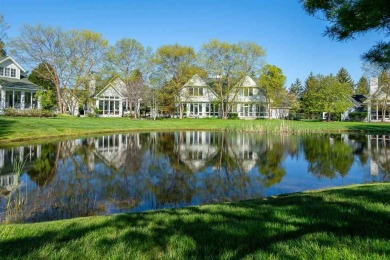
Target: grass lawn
point(25, 129)
point(343, 223)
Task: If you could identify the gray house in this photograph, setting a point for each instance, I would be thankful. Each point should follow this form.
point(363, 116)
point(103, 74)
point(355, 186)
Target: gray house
point(15, 91)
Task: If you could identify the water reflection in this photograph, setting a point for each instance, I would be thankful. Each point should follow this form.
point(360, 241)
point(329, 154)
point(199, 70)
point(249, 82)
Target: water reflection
point(142, 171)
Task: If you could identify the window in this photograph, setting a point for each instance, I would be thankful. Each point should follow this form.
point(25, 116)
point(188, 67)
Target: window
point(1, 71)
point(7, 70)
point(195, 91)
point(13, 73)
point(247, 92)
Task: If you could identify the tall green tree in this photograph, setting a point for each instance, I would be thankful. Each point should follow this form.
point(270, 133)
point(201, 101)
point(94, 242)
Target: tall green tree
point(294, 95)
point(344, 77)
point(362, 86)
point(272, 82)
point(332, 96)
point(308, 95)
point(228, 63)
point(175, 64)
point(47, 93)
point(350, 18)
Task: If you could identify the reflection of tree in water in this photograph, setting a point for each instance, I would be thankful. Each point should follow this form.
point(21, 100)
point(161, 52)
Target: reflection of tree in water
point(270, 163)
point(44, 168)
point(327, 156)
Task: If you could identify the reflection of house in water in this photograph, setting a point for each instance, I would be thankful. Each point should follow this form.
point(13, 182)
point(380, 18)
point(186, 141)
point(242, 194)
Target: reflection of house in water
point(195, 148)
point(112, 149)
point(26, 154)
point(379, 145)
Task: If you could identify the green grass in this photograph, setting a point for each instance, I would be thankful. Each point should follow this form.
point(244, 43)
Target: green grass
point(27, 129)
point(343, 223)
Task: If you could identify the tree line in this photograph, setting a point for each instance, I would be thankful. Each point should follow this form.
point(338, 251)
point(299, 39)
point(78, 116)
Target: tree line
point(66, 61)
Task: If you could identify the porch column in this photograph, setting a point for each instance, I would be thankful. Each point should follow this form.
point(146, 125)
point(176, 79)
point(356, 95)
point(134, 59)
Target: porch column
point(369, 112)
point(22, 95)
point(13, 98)
point(2, 103)
point(97, 103)
point(188, 109)
point(377, 114)
point(39, 102)
point(120, 107)
point(31, 100)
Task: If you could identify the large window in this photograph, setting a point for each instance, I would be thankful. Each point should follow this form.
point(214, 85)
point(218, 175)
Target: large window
point(195, 91)
point(13, 73)
point(211, 109)
point(109, 105)
point(1, 71)
point(7, 72)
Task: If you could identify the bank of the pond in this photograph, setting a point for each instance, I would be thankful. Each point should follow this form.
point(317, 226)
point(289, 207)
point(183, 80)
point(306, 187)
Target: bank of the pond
point(342, 223)
point(17, 129)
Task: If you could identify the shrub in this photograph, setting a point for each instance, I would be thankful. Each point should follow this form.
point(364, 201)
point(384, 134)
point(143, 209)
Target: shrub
point(357, 116)
point(233, 116)
point(29, 113)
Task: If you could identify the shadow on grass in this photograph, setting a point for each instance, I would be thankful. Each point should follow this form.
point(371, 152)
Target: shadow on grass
point(370, 128)
point(6, 126)
point(340, 219)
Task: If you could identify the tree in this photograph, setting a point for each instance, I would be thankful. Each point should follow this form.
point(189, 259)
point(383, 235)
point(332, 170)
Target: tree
point(308, 95)
point(294, 95)
point(128, 58)
point(350, 18)
point(228, 63)
point(69, 57)
point(47, 93)
point(362, 86)
point(344, 77)
point(175, 65)
point(272, 82)
point(331, 96)
point(3, 35)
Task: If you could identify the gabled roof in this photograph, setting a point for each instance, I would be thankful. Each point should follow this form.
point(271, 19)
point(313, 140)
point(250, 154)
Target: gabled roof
point(18, 84)
point(2, 59)
point(109, 83)
point(197, 81)
point(358, 99)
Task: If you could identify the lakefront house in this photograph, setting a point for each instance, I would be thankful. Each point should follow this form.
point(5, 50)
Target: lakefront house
point(199, 99)
point(15, 90)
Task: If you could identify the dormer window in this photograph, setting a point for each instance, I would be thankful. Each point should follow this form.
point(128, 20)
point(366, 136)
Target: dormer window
point(247, 92)
point(7, 72)
point(195, 91)
point(13, 73)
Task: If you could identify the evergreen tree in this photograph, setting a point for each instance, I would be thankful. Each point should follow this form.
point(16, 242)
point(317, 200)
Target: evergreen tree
point(296, 88)
point(308, 93)
point(362, 87)
point(344, 77)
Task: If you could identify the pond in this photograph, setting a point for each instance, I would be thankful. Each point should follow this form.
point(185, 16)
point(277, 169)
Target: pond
point(145, 171)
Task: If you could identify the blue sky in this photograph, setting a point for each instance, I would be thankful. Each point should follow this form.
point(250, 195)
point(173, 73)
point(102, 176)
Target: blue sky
point(293, 40)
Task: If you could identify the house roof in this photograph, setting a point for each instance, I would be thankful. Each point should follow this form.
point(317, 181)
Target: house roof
point(2, 59)
point(358, 99)
point(211, 83)
point(22, 84)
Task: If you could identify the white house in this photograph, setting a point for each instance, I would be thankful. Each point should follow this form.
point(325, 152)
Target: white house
point(113, 99)
point(375, 102)
point(15, 91)
point(199, 99)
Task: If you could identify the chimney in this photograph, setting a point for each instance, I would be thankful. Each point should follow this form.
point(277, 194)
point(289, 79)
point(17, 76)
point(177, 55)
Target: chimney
point(373, 85)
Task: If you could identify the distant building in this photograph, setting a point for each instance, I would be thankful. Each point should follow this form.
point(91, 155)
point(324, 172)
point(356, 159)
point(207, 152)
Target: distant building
point(200, 99)
point(15, 91)
point(375, 102)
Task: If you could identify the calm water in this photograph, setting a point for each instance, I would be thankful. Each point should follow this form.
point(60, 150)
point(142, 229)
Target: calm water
point(144, 171)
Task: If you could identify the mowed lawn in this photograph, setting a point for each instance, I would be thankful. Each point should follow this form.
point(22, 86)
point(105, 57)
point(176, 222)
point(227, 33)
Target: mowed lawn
point(25, 129)
point(344, 223)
